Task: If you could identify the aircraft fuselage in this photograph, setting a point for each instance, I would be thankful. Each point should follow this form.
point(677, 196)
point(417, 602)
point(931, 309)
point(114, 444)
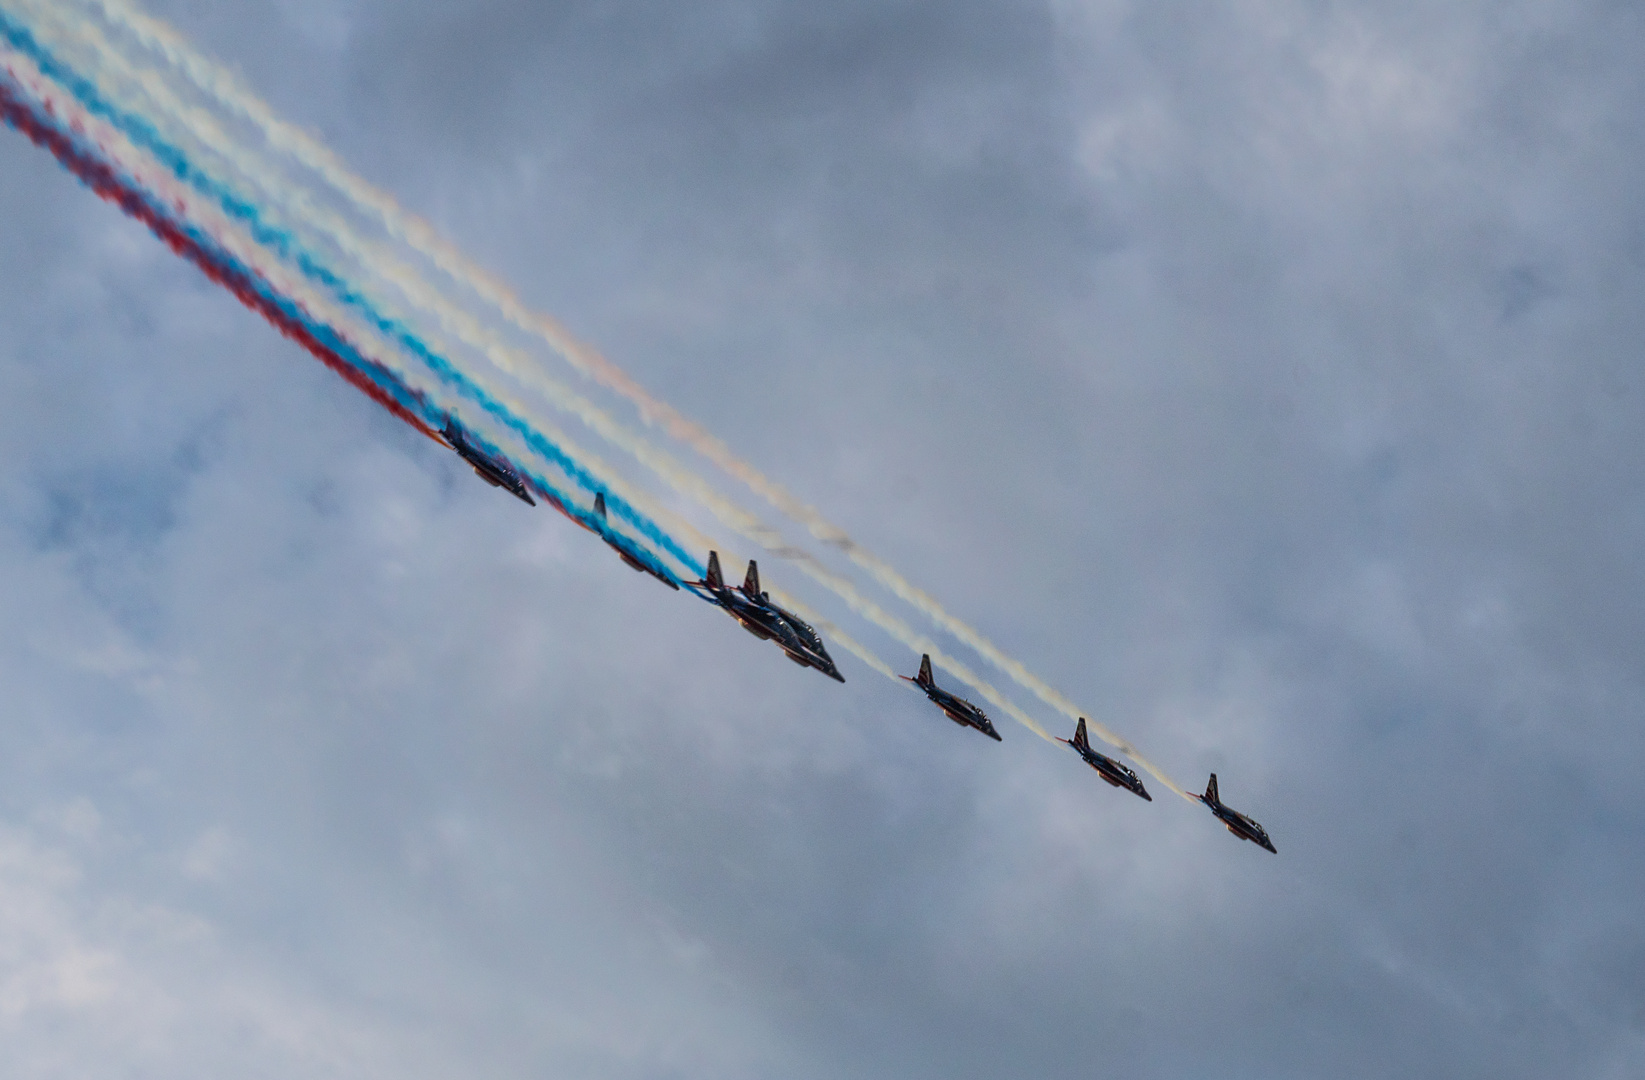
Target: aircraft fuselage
point(754, 612)
point(956, 708)
point(1115, 773)
point(636, 558)
point(1237, 823)
point(493, 470)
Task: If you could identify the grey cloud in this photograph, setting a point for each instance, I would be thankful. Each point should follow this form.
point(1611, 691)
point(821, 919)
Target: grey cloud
point(1264, 377)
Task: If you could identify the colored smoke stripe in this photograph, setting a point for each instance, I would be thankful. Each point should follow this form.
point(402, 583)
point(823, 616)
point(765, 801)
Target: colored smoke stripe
point(539, 438)
point(381, 385)
point(145, 136)
point(87, 163)
point(672, 471)
point(221, 85)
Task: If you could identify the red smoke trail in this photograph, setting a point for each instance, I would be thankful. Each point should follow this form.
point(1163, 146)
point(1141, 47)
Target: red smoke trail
point(112, 187)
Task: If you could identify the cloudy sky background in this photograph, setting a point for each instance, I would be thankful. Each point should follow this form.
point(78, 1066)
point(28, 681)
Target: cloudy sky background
point(1266, 378)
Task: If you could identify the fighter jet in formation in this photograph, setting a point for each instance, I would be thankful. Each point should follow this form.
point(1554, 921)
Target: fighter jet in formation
point(959, 710)
point(753, 609)
point(1238, 824)
point(633, 554)
point(494, 470)
point(1107, 768)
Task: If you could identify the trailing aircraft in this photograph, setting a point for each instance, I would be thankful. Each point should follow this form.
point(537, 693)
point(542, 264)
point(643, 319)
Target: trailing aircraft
point(1107, 768)
point(494, 470)
point(959, 710)
point(1238, 824)
point(754, 611)
point(633, 554)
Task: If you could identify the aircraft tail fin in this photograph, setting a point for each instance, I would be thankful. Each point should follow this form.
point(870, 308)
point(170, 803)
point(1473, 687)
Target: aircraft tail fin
point(925, 678)
point(1211, 790)
point(751, 583)
point(1081, 741)
point(714, 580)
point(599, 504)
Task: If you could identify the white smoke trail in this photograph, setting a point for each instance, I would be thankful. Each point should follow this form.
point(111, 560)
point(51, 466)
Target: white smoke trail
point(224, 234)
point(283, 136)
point(199, 129)
point(216, 141)
point(226, 89)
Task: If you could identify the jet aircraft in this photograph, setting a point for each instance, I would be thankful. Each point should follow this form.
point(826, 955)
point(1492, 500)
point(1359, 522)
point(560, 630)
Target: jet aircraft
point(1107, 768)
point(959, 710)
point(495, 471)
point(632, 554)
point(754, 610)
point(1238, 824)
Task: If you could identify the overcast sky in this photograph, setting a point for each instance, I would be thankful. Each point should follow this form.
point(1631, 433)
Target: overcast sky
point(1268, 377)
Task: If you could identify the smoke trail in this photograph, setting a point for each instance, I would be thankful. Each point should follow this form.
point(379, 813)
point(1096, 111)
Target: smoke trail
point(383, 264)
point(508, 413)
point(130, 196)
point(32, 113)
point(683, 481)
point(87, 163)
point(20, 113)
point(421, 237)
point(217, 82)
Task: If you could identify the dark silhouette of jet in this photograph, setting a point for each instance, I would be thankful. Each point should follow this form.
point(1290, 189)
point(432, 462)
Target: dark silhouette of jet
point(754, 611)
point(1238, 824)
point(494, 470)
point(633, 554)
point(1107, 768)
point(959, 710)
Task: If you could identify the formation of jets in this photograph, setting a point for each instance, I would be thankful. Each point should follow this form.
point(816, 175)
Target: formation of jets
point(755, 612)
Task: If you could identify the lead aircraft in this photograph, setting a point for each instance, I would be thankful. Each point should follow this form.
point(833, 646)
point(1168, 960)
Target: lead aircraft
point(1238, 824)
point(754, 611)
point(493, 469)
point(1107, 768)
point(957, 709)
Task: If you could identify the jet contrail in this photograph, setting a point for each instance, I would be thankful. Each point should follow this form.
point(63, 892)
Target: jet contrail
point(221, 266)
point(421, 237)
point(225, 88)
point(199, 127)
point(88, 166)
point(662, 463)
point(84, 156)
point(52, 122)
point(509, 413)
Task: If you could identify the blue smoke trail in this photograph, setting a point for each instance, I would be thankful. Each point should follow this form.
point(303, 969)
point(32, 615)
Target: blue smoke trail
point(90, 164)
point(281, 241)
